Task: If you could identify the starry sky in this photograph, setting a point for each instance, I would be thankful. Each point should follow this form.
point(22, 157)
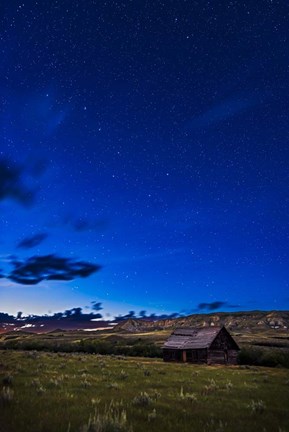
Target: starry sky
point(144, 155)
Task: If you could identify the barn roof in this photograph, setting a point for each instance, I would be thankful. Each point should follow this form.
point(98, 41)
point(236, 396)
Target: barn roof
point(192, 338)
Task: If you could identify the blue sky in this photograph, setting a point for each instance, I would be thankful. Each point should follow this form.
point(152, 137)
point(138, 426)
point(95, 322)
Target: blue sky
point(149, 138)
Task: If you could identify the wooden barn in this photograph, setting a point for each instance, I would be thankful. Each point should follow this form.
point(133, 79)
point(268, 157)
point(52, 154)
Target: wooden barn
point(211, 345)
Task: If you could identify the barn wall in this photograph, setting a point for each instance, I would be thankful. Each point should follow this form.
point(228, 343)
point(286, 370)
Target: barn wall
point(172, 355)
point(232, 357)
point(201, 356)
point(222, 357)
point(216, 356)
point(188, 356)
point(197, 356)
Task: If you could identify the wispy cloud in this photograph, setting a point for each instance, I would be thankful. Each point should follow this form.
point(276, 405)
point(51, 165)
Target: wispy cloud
point(32, 241)
point(221, 112)
point(44, 112)
point(82, 224)
point(157, 255)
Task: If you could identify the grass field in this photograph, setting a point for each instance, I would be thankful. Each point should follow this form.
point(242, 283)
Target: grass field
point(47, 392)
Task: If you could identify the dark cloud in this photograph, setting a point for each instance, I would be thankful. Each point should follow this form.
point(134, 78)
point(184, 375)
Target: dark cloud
point(211, 306)
point(83, 224)
point(96, 306)
point(75, 314)
point(70, 315)
point(30, 242)
point(215, 306)
point(143, 315)
point(5, 317)
point(130, 315)
point(164, 316)
point(12, 184)
point(49, 267)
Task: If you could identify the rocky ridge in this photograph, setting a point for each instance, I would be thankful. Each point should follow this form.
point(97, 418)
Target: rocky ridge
point(253, 320)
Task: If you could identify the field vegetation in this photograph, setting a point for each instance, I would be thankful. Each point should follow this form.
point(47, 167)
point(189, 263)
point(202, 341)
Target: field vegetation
point(76, 392)
point(257, 349)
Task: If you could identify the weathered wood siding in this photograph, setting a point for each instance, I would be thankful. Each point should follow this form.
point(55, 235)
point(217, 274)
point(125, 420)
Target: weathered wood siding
point(216, 356)
point(172, 355)
point(223, 341)
point(186, 356)
point(232, 357)
point(197, 356)
point(223, 350)
point(222, 357)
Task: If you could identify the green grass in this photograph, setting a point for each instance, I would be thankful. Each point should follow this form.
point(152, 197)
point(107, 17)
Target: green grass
point(60, 392)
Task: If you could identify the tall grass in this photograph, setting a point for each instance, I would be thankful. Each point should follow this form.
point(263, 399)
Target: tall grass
point(45, 397)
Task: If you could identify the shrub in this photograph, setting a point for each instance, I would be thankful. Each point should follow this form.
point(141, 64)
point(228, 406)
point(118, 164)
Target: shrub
point(40, 390)
point(123, 375)
point(54, 382)
point(6, 395)
point(249, 356)
point(136, 347)
point(257, 407)
point(156, 395)
point(215, 425)
point(152, 415)
point(259, 357)
point(112, 420)
point(85, 383)
point(113, 385)
point(228, 385)
point(7, 381)
point(211, 386)
point(192, 397)
point(143, 399)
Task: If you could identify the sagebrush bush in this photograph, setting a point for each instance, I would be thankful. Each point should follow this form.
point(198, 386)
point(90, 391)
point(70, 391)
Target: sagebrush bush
point(112, 420)
point(215, 425)
point(143, 399)
point(85, 383)
point(156, 394)
point(192, 397)
point(210, 387)
point(7, 380)
point(6, 395)
point(113, 385)
point(228, 385)
point(152, 415)
point(257, 407)
point(123, 375)
point(40, 390)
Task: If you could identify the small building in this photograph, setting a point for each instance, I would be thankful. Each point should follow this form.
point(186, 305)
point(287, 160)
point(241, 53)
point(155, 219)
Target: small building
point(211, 345)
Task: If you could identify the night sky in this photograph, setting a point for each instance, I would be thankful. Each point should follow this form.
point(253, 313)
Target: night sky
point(144, 157)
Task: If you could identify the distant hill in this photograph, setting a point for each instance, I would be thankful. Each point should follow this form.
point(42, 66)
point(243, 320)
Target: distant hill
point(235, 321)
point(45, 326)
point(252, 320)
